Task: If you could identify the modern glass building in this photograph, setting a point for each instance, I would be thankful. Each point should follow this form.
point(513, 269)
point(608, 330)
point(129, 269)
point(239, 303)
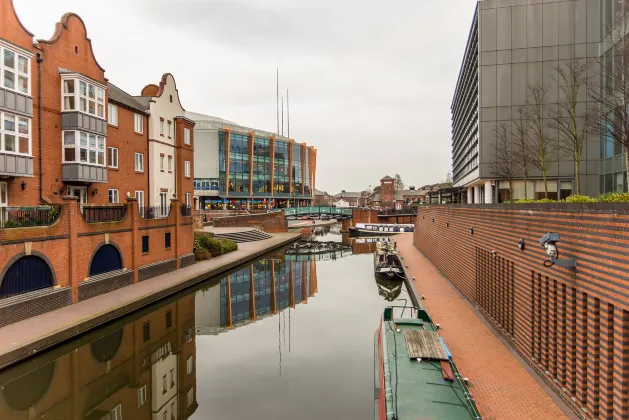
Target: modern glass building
point(242, 168)
point(511, 47)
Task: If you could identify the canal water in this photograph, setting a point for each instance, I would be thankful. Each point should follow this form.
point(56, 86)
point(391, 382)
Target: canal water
point(289, 336)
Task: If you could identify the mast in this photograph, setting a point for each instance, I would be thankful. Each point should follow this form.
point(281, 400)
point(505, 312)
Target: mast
point(277, 99)
point(282, 115)
point(287, 115)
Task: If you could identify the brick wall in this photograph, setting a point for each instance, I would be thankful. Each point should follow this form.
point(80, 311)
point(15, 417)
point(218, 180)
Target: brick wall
point(572, 327)
point(269, 222)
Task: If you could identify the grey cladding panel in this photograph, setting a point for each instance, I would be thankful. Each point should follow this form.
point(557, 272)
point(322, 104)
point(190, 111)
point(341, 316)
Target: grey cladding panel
point(534, 24)
point(79, 121)
point(488, 86)
point(488, 29)
point(503, 74)
point(550, 31)
point(504, 28)
point(83, 173)
point(16, 102)
point(15, 165)
point(566, 23)
point(518, 27)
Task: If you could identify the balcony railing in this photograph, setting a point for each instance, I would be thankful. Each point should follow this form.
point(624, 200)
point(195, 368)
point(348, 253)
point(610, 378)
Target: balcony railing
point(155, 212)
point(405, 211)
point(19, 217)
point(186, 211)
point(100, 214)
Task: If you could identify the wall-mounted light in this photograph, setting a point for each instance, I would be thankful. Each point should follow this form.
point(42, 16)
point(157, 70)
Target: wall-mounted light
point(433, 220)
point(95, 191)
point(472, 230)
point(23, 185)
point(447, 224)
point(521, 244)
point(549, 243)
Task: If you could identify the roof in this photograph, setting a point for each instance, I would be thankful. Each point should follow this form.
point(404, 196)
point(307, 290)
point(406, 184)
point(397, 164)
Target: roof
point(144, 102)
point(202, 117)
point(387, 178)
point(348, 195)
point(400, 194)
point(118, 95)
point(317, 192)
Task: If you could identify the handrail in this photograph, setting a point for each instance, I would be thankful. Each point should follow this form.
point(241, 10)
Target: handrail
point(155, 212)
point(19, 217)
point(102, 214)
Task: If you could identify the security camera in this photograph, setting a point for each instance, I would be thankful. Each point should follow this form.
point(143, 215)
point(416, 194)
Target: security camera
point(549, 243)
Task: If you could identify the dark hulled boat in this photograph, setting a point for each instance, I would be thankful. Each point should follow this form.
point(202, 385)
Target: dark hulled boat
point(387, 262)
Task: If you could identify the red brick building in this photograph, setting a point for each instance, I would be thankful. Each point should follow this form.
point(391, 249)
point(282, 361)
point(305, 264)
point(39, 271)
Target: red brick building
point(75, 179)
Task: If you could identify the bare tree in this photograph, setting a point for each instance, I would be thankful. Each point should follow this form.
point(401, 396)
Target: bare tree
point(543, 151)
point(504, 164)
point(522, 145)
point(612, 97)
point(570, 119)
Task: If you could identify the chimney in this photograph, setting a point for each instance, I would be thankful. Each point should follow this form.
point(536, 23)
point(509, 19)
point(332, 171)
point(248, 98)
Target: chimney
point(412, 188)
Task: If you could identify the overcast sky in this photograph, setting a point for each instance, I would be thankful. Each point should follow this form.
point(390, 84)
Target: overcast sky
point(370, 82)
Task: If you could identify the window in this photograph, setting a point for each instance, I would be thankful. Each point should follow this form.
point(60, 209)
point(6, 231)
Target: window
point(145, 244)
point(116, 413)
point(141, 396)
point(112, 157)
point(138, 123)
point(172, 378)
point(113, 114)
point(15, 134)
point(186, 136)
point(164, 386)
point(79, 146)
point(170, 129)
point(114, 197)
point(139, 162)
point(139, 195)
point(146, 327)
point(161, 126)
point(172, 411)
point(14, 71)
point(169, 319)
point(79, 95)
point(187, 168)
point(161, 162)
point(167, 246)
point(170, 163)
point(165, 415)
point(189, 397)
point(565, 189)
point(188, 199)
point(189, 365)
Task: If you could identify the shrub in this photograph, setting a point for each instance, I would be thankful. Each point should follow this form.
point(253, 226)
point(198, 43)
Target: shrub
point(580, 199)
point(213, 246)
point(614, 198)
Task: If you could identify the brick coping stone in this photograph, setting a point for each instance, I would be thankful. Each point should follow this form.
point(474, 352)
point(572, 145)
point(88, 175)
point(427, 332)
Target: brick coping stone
point(31, 336)
point(502, 385)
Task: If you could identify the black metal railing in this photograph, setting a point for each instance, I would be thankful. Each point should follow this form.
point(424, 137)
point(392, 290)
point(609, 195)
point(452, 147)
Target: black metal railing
point(405, 211)
point(155, 212)
point(18, 217)
point(186, 211)
point(100, 214)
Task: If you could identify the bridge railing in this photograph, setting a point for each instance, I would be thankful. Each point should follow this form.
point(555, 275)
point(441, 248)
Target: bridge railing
point(298, 211)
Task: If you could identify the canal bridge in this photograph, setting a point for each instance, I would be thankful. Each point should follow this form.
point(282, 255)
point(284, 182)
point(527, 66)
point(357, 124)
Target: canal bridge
point(351, 216)
point(318, 211)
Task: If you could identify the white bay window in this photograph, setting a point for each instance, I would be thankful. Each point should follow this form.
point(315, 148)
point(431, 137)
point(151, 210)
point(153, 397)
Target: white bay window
point(15, 134)
point(80, 95)
point(82, 147)
point(15, 70)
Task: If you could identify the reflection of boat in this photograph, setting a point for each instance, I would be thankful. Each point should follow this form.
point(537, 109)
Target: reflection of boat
point(377, 229)
point(387, 261)
point(314, 247)
point(415, 376)
point(372, 239)
point(388, 289)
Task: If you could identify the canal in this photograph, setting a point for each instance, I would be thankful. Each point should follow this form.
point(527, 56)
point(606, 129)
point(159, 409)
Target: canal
point(287, 336)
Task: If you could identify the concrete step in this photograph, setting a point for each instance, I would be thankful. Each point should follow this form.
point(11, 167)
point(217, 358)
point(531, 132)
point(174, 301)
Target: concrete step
point(247, 236)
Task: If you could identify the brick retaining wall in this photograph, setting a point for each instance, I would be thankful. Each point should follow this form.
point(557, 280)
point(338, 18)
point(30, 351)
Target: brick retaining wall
point(573, 327)
point(269, 222)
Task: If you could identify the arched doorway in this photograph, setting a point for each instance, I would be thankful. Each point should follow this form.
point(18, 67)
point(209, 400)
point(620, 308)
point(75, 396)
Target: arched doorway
point(26, 391)
point(25, 275)
point(106, 259)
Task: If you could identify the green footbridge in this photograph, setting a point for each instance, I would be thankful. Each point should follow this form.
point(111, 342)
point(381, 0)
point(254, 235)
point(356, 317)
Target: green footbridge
point(319, 211)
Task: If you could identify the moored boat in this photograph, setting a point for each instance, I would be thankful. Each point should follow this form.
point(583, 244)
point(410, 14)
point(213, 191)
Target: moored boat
point(386, 261)
point(379, 229)
point(415, 376)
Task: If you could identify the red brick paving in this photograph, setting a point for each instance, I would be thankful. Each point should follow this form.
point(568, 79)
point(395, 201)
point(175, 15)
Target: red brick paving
point(500, 384)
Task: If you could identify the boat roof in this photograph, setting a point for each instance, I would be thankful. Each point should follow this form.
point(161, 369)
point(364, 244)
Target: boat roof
point(418, 388)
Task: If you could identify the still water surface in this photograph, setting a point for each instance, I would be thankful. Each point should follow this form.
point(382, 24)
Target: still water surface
point(301, 348)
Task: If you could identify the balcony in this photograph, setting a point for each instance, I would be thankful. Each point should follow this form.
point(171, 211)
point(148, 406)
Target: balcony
point(83, 173)
point(15, 165)
point(155, 212)
point(21, 217)
point(102, 214)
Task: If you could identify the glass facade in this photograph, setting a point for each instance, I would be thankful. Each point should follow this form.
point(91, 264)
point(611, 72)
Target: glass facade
point(307, 190)
point(298, 179)
point(281, 181)
point(222, 158)
point(261, 166)
point(239, 164)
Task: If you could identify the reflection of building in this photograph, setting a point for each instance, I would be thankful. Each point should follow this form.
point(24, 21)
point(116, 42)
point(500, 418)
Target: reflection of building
point(264, 288)
point(239, 167)
point(143, 370)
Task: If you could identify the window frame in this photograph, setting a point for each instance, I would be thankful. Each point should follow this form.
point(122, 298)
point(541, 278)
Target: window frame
point(188, 200)
point(186, 136)
point(161, 127)
point(77, 146)
point(187, 168)
point(141, 396)
point(17, 119)
point(170, 129)
point(110, 157)
point(146, 331)
point(138, 121)
point(138, 194)
point(137, 154)
point(112, 109)
point(100, 93)
point(17, 73)
point(167, 240)
point(147, 248)
point(190, 365)
point(114, 196)
point(170, 164)
point(161, 162)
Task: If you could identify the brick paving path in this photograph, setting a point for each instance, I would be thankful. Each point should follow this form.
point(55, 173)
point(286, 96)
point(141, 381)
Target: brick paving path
point(500, 384)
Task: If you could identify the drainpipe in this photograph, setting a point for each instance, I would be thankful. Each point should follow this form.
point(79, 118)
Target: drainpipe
point(147, 201)
point(40, 59)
